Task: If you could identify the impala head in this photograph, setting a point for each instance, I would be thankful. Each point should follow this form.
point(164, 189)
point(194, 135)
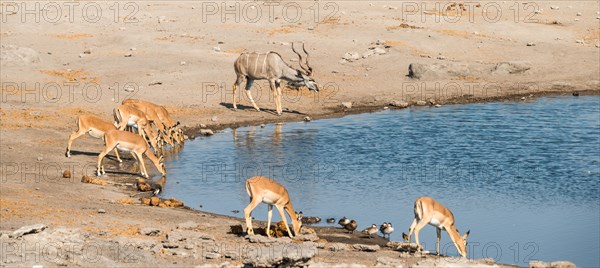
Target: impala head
point(296, 223)
point(161, 161)
point(461, 243)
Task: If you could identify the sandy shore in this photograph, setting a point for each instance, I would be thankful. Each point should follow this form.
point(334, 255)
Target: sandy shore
point(180, 54)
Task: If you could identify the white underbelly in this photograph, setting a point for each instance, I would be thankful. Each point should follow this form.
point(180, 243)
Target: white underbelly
point(94, 135)
point(268, 201)
point(123, 149)
point(435, 222)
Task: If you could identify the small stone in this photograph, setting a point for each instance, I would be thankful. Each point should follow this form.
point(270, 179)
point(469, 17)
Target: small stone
point(154, 201)
point(202, 126)
point(170, 245)
point(149, 231)
point(437, 106)
point(87, 51)
point(133, 49)
point(367, 54)
point(217, 49)
point(182, 63)
point(386, 108)
point(127, 55)
point(37, 188)
point(421, 103)
point(81, 55)
point(351, 56)
point(347, 104)
point(307, 119)
point(212, 255)
point(379, 50)
point(578, 14)
point(530, 44)
point(441, 57)
point(214, 118)
point(206, 132)
point(399, 104)
point(311, 28)
point(101, 211)
point(367, 248)
point(554, 7)
point(153, 83)
point(579, 41)
point(129, 89)
point(66, 174)
point(39, 158)
point(30, 229)
point(523, 98)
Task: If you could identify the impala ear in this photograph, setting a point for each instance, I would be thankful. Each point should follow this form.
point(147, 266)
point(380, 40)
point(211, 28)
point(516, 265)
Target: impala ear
point(464, 237)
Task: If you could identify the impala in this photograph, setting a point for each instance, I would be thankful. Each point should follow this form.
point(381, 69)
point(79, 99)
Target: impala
point(130, 116)
point(271, 66)
point(430, 211)
point(133, 143)
point(93, 126)
point(160, 117)
point(268, 191)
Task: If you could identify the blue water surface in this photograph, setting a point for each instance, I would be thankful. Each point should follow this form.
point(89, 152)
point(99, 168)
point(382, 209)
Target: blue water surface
point(523, 177)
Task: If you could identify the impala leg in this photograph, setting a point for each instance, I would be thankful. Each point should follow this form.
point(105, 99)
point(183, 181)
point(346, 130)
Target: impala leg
point(142, 164)
point(418, 228)
point(410, 230)
point(248, 213)
point(249, 93)
point(269, 217)
point(287, 227)
point(100, 168)
point(73, 136)
point(439, 236)
point(117, 154)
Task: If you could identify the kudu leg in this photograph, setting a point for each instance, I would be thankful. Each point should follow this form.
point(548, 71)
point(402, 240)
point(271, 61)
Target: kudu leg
point(249, 93)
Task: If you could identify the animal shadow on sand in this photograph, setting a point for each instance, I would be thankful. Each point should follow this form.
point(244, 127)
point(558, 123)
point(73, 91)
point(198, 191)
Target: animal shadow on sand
point(250, 108)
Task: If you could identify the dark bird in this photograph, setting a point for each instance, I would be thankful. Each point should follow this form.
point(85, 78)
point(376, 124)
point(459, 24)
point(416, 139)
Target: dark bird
point(351, 226)
point(343, 221)
point(386, 229)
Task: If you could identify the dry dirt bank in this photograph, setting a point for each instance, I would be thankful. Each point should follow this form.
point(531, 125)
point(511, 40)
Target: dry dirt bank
point(167, 52)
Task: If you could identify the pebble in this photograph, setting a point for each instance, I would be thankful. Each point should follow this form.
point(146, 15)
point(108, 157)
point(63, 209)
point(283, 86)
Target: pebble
point(379, 50)
point(129, 89)
point(578, 14)
point(307, 119)
point(579, 41)
point(530, 44)
point(182, 63)
point(206, 132)
point(128, 55)
point(213, 118)
point(87, 51)
point(347, 104)
point(101, 211)
point(217, 49)
point(554, 7)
